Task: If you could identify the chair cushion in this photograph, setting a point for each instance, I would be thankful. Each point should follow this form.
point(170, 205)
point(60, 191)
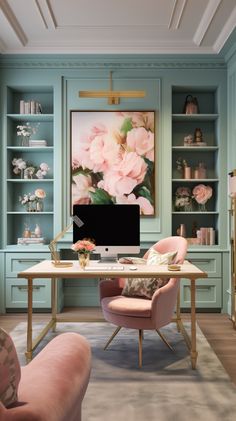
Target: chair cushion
point(126, 306)
point(156, 258)
point(142, 287)
point(10, 371)
point(145, 287)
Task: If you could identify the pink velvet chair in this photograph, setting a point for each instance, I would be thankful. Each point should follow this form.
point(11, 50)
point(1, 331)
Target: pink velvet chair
point(138, 313)
point(52, 386)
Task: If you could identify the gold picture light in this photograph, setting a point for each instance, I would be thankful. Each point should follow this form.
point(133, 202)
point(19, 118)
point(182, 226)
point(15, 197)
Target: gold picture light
point(53, 244)
point(113, 96)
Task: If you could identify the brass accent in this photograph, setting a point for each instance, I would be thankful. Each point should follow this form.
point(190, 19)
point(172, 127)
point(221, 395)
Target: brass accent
point(233, 261)
point(53, 249)
point(140, 348)
point(112, 96)
point(164, 339)
point(53, 245)
point(112, 337)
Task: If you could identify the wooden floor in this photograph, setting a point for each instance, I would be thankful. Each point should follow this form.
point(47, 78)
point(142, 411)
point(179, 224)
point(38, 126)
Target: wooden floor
point(217, 328)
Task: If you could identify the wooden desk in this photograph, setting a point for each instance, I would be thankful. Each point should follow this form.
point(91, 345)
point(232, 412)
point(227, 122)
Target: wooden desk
point(46, 269)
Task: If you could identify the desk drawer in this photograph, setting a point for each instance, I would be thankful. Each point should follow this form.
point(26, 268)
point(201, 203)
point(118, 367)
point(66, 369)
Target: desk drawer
point(17, 297)
point(208, 293)
point(16, 262)
point(208, 262)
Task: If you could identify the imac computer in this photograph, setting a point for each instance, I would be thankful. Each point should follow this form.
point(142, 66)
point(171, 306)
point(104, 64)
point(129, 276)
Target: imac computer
point(115, 229)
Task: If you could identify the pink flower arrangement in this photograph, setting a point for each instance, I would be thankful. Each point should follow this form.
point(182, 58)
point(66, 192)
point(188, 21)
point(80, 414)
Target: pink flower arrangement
point(202, 193)
point(113, 162)
point(40, 193)
point(83, 246)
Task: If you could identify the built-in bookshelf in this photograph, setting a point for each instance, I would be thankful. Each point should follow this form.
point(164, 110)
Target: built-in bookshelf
point(28, 164)
point(195, 166)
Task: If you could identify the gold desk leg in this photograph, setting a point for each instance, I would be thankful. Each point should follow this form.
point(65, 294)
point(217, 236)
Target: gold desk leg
point(54, 303)
point(140, 348)
point(28, 353)
point(178, 316)
point(193, 351)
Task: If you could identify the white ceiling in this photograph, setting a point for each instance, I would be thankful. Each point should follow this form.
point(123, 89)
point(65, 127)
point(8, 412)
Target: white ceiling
point(115, 26)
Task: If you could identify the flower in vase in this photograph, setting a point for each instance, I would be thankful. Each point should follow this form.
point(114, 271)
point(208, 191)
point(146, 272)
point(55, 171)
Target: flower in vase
point(202, 193)
point(83, 246)
point(19, 165)
point(181, 164)
point(30, 170)
point(183, 199)
point(40, 193)
point(42, 171)
point(27, 130)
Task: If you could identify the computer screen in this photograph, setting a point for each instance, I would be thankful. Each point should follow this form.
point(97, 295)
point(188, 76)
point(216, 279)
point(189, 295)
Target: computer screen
point(115, 229)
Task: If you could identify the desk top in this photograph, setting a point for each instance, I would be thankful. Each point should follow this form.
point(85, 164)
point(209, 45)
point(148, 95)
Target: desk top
point(46, 269)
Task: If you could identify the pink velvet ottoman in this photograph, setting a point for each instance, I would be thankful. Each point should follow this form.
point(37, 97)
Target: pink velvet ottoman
point(52, 385)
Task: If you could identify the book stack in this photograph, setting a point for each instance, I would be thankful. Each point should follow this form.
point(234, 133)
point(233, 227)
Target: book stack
point(30, 107)
point(37, 143)
point(206, 236)
point(31, 240)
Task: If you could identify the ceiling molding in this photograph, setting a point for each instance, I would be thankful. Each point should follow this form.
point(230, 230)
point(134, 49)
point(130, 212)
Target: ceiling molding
point(46, 13)
point(11, 18)
point(177, 14)
point(225, 32)
point(206, 20)
point(110, 63)
point(160, 27)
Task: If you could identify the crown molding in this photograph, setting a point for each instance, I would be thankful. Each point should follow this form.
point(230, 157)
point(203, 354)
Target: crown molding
point(109, 62)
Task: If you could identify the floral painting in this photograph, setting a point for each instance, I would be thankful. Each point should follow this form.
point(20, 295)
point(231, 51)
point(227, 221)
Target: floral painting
point(113, 158)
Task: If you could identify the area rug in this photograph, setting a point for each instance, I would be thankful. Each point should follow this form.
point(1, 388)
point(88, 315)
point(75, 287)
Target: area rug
point(164, 389)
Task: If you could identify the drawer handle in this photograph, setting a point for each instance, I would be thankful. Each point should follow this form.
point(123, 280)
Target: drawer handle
point(29, 261)
point(24, 287)
point(201, 260)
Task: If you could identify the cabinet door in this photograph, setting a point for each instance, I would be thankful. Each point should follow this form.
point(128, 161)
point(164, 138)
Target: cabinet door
point(209, 290)
point(16, 262)
point(17, 297)
point(16, 289)
point(208, 294)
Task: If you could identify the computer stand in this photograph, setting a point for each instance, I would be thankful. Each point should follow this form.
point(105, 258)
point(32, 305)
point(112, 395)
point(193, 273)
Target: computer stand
point(109, 259)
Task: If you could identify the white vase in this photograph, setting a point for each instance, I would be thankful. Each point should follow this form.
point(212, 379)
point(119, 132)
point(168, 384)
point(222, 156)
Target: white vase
point(37, 231)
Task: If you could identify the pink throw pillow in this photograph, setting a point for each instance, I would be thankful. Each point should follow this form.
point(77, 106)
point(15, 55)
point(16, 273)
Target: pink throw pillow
point(10, 370)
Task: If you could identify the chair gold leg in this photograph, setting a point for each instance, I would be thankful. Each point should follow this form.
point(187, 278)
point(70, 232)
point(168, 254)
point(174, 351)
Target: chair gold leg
point(112, 337)
point(164, 339)
point(140, 358)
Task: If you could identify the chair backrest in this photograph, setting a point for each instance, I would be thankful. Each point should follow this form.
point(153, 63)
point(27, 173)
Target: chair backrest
point(171, 244)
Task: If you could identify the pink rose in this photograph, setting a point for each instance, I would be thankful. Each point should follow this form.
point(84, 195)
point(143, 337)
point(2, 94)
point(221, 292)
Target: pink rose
point(145, 206)
point(40, 193)
point(125, 176)
point(82, 186)
point(141, 141)
point(104, 153)
point(139, 119)
point(202, 193)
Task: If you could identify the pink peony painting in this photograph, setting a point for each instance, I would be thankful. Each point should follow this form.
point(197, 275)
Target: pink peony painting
point(113, 158)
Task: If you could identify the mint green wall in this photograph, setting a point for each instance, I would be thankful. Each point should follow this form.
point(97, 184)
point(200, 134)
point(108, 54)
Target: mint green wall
point(157, 75)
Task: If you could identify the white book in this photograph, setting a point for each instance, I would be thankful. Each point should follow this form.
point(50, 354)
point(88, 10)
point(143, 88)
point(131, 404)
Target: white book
point(22, 106)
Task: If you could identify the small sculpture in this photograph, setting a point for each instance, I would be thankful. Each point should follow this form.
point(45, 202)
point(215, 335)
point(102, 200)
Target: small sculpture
point(188, 140)
point(198, 136)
